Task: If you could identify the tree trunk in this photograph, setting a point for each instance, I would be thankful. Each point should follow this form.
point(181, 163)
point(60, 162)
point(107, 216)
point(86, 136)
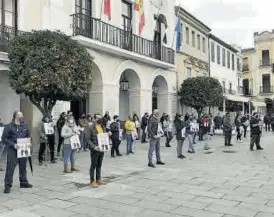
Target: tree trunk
point(45, 106)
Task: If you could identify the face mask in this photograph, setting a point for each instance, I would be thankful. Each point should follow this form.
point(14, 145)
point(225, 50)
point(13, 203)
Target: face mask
point(21, 120)
point(117, 120)
point(99, 121)
point(83, 117)
point(71, 121)
point(157, 115)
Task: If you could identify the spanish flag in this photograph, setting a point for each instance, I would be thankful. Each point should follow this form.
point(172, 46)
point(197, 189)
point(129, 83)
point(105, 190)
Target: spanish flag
point(107, 8)
point(139, 6)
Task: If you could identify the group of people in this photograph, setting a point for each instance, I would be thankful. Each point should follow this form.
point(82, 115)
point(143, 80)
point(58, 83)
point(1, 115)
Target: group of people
point(88, 128)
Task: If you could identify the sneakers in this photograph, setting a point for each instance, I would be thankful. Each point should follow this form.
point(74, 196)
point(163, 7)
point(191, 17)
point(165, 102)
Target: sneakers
point(160, 163)
point(94, 184)
point(151, 165)
point(74, 169)
point(259, 148)
point(26, 185)
point(66, 170)
point(100, 182)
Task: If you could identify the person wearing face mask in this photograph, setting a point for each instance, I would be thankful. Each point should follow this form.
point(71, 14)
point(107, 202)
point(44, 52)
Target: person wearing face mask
point(13, 131)
point(96, 155)
point(191, 129)
point(156, 132)
point(256, 126)
point(46, 138)
point(130, 128)
point(69, 129)
point(144, 127)
point(179, 125)
point(115, 136)
point(60, 123)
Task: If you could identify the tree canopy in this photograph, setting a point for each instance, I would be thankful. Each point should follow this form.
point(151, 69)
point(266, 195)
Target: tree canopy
point(200, 92)
point(48, 66)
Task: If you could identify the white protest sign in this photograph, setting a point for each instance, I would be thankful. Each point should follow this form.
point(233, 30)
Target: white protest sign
point(75, 142)
point(134, 135)
point(49, 130)
point(120, 134)
point(24, 148)
point(1, 133)
point(103, 142)
point(160, 131)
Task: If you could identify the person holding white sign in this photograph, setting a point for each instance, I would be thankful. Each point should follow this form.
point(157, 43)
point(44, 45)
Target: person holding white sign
point(68, 131)
point(96, 154)
point(17, 129)
point(2, 146)
point(155, 130)
point(47, 137)
point(191, 129)
point(115, 137)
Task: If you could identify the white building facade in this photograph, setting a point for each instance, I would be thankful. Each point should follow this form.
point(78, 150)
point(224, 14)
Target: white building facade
point(226, 66)
point(134, 71)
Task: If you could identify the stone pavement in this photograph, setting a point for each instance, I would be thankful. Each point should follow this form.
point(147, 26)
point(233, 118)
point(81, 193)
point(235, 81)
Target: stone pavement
point(237, 183)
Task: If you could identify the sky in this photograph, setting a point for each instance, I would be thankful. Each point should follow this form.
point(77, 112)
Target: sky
point(234, 21)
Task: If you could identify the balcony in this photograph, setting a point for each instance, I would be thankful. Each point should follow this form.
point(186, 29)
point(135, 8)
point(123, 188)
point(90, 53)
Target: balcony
point(266, 90)
point(230, 91)
point(98, 30)
point(265, 62)
point(247, 91)
point(245, 68)
point(240, 90)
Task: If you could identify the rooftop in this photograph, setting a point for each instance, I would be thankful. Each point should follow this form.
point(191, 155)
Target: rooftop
point(220, 41)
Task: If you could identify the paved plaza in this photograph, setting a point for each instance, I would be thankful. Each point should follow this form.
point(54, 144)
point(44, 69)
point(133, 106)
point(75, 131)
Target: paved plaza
point(230, 182)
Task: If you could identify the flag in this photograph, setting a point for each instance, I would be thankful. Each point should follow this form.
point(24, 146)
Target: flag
point(107, 8)
point(178, 30)
point(139, 6)
point(162, 19)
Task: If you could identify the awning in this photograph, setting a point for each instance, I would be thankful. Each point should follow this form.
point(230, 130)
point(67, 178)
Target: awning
point(236, 98)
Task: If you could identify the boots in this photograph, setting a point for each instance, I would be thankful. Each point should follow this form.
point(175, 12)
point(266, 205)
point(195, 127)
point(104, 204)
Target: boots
point(112, 153)
point(100, 182)
point(66, 170)
point(74, 169)
point(94, 184)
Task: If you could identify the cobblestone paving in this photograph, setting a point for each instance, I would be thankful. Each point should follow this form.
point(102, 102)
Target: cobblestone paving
point(226, 183)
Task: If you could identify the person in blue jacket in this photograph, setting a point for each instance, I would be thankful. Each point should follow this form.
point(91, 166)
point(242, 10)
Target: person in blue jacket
point(16, 129)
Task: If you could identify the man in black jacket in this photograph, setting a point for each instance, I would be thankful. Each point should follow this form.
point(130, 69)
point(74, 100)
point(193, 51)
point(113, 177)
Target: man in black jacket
point(115, 136)
point(256, 130)
point(17, 129)
point(144, 125)
point(155, 130)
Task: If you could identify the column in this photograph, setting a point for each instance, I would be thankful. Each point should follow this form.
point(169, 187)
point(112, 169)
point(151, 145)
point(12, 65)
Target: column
point(243, 106)
point(135, 102)
point(111, 99)
point(146, 101)
point(95, 101)
point(224, 106)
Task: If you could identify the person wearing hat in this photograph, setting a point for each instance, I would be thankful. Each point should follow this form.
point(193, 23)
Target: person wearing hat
point(17, 129)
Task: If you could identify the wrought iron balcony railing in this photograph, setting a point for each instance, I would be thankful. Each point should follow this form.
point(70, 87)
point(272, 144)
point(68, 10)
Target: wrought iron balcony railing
point(266, 90)
point(265, 62)
point(240, 90)
point(98, 30)
point(247, 91)
point(245, 68)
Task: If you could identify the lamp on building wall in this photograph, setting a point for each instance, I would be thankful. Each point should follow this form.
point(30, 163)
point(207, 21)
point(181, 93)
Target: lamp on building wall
point(155, 89)
point(124, 84)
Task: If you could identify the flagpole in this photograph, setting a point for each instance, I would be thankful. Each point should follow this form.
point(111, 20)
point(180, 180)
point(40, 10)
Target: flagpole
point(177, 16)
point(102, 3)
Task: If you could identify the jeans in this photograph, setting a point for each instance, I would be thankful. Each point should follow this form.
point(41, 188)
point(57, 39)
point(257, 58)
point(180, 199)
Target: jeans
point(11, 164)
point(2, 147)
point(169, 137)
point(180, 147)
point(129, 143)
point(239, 135)
point(115, 146)
point(267, 127)
point(228, 135)
point(190, 142)
point(82, 140)
point(154, 144)
point(43, 148)
point(96, 158)
point(69, 155)
point(255, 139)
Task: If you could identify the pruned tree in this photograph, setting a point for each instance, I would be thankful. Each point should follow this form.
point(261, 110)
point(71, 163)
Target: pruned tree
point(48, 66)
point(200, 92)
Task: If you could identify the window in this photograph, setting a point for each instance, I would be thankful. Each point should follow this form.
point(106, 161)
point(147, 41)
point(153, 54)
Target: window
point(228, 59)
point(193, 38)
point(9, 13)
point(127, 15)
point(232, 61)
point(84, 9)
point(199, 41)
point(187, 35)
point(230, 87)
point(218, 54)
point(223, 56)
point(188, 72)
point(212, 52)
point(204, 45)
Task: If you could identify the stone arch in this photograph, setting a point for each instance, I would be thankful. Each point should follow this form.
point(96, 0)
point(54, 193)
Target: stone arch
point(161, 73)
point(128, 65)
